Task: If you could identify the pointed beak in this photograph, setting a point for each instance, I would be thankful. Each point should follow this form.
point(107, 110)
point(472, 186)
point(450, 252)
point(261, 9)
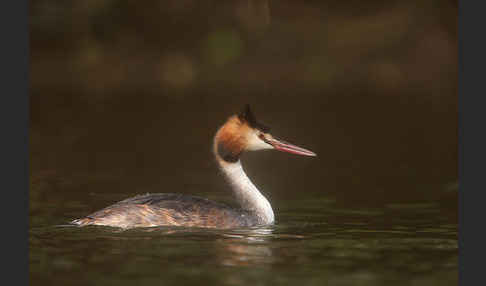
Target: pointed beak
point(289, 148)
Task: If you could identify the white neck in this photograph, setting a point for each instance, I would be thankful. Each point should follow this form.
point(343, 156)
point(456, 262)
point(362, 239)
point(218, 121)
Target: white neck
point(246, 193)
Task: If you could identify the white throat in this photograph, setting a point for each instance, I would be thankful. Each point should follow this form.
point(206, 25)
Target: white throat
point(246, 193)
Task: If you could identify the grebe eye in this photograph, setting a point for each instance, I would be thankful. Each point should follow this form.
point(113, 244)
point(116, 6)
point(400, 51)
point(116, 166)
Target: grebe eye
point(261, 136)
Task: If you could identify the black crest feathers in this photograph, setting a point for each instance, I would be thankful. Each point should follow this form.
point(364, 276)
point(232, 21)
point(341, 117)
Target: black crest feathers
point(249, 117)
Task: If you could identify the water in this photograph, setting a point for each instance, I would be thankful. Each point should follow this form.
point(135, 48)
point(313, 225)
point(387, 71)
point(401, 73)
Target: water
point(376, 206)
point(314, 242)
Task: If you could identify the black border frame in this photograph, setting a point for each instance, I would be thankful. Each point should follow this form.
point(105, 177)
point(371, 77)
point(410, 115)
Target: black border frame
point(471, 119)
point(14, 123)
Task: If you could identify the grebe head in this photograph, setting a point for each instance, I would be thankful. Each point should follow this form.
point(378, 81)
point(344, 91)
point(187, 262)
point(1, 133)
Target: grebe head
point(242, 132)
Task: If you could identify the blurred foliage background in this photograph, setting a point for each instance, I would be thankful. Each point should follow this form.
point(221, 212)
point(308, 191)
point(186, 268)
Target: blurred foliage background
point(133, 91)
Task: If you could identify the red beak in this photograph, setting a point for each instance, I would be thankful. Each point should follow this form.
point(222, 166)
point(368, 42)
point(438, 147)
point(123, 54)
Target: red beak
point(290, 148)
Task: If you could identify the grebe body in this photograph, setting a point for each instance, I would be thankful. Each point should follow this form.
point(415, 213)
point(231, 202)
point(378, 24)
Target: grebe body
point(240, 133)
point(166, 209)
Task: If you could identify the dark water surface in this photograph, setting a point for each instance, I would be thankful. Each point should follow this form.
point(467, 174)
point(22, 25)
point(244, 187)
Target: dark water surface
point(375, 207)
point(314, 242)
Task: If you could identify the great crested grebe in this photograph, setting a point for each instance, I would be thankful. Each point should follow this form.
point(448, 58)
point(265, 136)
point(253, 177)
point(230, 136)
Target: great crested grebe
point(240, 133)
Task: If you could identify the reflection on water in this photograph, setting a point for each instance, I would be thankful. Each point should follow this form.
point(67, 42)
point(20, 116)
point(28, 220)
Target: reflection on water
point(246, 247)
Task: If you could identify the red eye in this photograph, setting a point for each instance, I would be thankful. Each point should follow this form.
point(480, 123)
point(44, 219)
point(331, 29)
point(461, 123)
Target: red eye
point(261, 136)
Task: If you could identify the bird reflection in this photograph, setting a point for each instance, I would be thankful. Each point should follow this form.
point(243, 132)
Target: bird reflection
point(245, 247)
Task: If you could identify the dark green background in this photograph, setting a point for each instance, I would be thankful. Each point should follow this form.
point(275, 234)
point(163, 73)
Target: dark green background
point(126, 96)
